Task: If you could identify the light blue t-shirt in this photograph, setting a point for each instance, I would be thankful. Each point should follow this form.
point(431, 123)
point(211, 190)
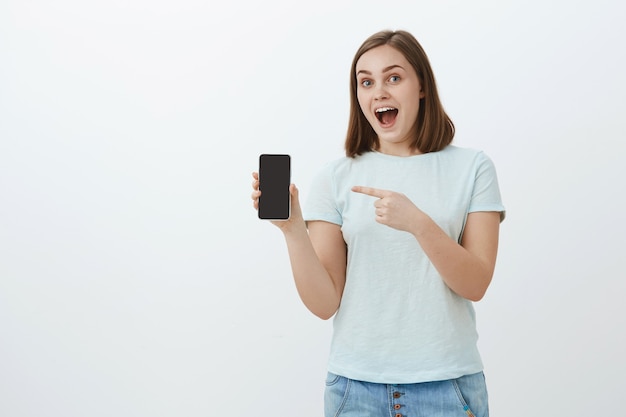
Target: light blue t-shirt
point(398, 321)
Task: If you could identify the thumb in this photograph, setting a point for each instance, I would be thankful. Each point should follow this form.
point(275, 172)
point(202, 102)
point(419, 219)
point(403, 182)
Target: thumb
point(295, 199)
point(293, 191)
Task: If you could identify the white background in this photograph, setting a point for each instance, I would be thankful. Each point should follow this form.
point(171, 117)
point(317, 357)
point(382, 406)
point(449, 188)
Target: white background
point(135, 278)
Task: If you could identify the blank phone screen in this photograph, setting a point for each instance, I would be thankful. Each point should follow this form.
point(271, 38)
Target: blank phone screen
point(274, 180)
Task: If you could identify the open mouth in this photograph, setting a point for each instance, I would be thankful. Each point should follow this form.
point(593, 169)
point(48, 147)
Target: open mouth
point(386, 115)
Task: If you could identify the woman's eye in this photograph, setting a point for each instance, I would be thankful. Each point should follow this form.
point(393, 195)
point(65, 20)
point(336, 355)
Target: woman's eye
point(394, 78)
point(366, 83)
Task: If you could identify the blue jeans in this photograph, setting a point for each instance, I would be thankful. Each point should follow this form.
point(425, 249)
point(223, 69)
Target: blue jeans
point(462, 397)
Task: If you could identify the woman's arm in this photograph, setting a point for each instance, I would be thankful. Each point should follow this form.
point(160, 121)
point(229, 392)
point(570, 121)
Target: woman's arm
point(467, 268)
point(318, 262)
point(318, 257)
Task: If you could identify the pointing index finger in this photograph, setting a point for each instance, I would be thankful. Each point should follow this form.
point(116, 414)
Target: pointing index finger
point(374, 192)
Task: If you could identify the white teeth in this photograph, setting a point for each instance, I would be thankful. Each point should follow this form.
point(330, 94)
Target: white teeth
point(384, 109)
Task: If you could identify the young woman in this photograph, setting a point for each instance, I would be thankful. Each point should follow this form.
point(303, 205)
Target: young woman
point(397, 240)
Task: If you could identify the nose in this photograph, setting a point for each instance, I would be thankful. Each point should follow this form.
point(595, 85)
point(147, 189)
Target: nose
point(381, 93)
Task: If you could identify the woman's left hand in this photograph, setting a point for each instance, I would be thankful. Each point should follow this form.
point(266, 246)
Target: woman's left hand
point(393, 209)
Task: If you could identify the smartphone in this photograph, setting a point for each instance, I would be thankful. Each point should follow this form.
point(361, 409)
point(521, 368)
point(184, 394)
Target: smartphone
point(274, 180)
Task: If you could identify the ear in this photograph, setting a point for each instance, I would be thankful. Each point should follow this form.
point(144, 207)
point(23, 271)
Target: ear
point(422, 95)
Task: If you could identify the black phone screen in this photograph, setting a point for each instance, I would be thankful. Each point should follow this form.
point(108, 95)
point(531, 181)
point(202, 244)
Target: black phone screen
point(274, 180)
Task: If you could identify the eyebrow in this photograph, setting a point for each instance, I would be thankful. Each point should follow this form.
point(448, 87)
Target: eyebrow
point(389, 68)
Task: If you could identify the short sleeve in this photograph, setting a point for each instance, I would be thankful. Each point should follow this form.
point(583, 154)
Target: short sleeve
point(486, 191)
point(321, 203)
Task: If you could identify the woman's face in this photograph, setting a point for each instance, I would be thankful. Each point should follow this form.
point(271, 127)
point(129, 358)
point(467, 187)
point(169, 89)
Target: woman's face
point(389, 93)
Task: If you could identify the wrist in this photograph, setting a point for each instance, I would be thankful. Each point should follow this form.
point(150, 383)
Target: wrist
point(293, 228)
point(419, 223)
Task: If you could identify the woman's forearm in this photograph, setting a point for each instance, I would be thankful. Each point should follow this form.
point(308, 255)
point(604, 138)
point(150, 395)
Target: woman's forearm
point(316, 287)
point(466, 270)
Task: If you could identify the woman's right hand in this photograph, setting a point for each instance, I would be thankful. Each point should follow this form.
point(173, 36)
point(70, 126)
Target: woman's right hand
point(295, 218)
point(317, 256)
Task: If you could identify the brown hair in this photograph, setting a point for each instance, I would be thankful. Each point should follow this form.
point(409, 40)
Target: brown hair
point(435, 130)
